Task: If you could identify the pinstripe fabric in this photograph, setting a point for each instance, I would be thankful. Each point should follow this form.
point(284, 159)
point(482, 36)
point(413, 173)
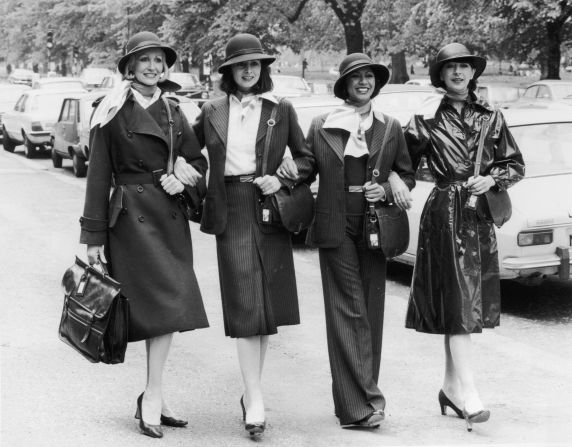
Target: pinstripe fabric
point(256, 270)
point(353, 280)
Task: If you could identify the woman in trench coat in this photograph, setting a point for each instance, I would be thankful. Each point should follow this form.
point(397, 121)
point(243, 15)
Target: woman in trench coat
point(346, 144)
point(142, 229)
point(256, 267)
point(455, 289)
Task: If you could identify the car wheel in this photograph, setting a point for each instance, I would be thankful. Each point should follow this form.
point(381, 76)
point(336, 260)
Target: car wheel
point(30, 148)
point(9, 145)
point(79, 166)
point(56, 158)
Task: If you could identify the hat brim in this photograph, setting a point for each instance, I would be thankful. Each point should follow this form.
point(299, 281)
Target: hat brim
point(381, 73)
point(246, 57)
point(170, 56)
point(435, 71)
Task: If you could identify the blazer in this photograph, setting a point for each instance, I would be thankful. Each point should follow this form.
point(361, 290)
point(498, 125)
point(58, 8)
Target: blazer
point(327, 147)
point(211, 128)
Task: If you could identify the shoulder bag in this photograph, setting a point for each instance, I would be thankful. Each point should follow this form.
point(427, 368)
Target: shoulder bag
point(191, 203)
point(494, 204)
point(386, 225)
point(290, 207)
point(95, 316)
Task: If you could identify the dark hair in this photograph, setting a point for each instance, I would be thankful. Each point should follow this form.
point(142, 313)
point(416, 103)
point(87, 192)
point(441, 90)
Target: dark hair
point(344, 91)
point(472, 83)
point(228, 85)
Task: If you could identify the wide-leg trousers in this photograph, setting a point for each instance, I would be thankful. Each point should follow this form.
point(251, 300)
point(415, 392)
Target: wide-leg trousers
point(353, 281)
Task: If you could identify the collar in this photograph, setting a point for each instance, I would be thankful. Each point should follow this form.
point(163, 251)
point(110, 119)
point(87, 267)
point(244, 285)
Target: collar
point(346, 117)
point(430, 108)
point(266, 95)
point(142, 100)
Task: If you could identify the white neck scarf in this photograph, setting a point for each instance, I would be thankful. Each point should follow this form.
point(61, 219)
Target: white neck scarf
point(110, 104)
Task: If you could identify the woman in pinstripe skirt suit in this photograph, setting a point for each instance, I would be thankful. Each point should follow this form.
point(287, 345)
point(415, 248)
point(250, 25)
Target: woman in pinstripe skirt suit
point(256, 268)
point(346, 144)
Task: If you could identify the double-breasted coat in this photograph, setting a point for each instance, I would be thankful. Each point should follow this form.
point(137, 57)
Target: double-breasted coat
point(146, 236)
point(353, 277)
point(456, 285)
point(256, 267)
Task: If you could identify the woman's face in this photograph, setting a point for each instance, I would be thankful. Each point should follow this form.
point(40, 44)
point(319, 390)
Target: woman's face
point(360, 86)
point(148, 66)
point(246, 74)
point(456, 75)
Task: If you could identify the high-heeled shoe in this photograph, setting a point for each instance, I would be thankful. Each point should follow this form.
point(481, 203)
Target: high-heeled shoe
point(253, 428)
point(445, 402)
point(154, 431)
point(475, 418)
point(243, 409)
point(173, 422)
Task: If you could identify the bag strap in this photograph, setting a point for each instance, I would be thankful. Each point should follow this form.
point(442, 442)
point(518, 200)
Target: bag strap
point(480, 148)
point(271, 122)
point(375, 172)
point(170, 161)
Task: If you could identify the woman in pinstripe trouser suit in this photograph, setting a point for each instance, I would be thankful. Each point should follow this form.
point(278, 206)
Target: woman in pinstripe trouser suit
point(256, 268)
point(346, 144)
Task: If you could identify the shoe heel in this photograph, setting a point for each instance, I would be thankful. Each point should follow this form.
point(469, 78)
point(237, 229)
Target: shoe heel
point(469, 423)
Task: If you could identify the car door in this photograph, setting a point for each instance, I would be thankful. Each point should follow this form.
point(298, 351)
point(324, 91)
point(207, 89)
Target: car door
point(11, 120)
point(60, 144)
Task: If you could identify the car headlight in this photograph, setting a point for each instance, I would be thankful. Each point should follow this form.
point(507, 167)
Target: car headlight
point(527, 238)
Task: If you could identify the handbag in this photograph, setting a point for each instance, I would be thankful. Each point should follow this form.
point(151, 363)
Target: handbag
point(95, 316)
point(291, 207)
point(494, 204)
point(386, 225)
point(191, 203)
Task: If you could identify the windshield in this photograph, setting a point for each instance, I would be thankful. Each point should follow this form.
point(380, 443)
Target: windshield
point(562, 91)
point(545, 148)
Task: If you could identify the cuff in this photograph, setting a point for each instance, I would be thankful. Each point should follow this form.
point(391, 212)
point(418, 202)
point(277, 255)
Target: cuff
point(90, 224)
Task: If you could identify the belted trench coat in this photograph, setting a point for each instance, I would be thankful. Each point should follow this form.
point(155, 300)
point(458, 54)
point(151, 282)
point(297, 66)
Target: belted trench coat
point(456, 285)
point(146, 235)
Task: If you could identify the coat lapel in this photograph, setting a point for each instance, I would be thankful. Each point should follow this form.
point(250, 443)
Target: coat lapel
point(219, 119)
point(264, 117)
point(379, 130)
point(334, 140)
point(140, 121)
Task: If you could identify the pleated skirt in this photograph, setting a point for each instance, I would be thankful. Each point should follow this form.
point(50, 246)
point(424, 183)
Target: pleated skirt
point(256, 270)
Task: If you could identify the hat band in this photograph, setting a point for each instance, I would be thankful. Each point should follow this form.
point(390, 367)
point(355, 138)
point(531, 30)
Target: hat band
point(242, 52)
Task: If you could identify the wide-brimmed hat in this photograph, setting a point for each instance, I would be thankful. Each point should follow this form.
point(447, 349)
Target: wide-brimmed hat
point(144, 41)
point(355, 61)
point(244, 47)
point(454, 51)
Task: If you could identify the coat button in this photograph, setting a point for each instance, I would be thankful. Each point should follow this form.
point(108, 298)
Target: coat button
point(129, 134)
point(174, 214)
point(139, 188)
point(179, 133)
point(140, 163)
point(124, 211)
point(141, 219)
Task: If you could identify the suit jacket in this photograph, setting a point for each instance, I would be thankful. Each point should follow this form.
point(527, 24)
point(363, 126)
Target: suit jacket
point(327, 146)
point(211, 128)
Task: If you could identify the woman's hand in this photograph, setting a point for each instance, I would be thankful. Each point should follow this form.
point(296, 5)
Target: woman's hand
point(401, 194)
point(186, 173)
point(171, 184)
point(288, 169)
point(479, 185)
point(269, 184)
point(94, 254)
point(373, 192)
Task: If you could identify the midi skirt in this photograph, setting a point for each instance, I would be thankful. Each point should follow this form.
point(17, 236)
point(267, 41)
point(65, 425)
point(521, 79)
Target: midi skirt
point(256, 270)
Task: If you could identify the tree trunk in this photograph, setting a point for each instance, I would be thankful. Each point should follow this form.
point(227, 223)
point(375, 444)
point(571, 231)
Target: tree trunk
point(354, 37)
point(398, 68)
point(550, 55)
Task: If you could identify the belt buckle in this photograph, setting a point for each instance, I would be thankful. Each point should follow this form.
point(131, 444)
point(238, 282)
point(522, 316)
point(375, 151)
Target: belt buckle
point(157, 176)
point(246, 178)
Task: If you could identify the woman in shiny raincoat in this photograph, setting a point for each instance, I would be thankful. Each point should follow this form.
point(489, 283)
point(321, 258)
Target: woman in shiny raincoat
point(456, 287)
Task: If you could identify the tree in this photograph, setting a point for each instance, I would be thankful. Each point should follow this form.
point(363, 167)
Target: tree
point(349, 13)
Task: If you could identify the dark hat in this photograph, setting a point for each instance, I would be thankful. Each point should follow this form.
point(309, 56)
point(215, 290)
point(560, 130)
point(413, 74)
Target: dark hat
point(355, 61)
point(244, 47)
point(144, 41)
point(450, 52)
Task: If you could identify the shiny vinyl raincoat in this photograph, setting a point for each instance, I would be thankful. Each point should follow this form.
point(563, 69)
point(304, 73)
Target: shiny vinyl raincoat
point(456, 285)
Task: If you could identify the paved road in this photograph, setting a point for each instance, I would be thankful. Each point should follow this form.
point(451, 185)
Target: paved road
point(52, 397)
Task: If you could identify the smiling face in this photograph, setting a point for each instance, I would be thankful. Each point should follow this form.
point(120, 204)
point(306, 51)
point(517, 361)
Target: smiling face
point(456, 75)
point(360, 86)
point(246, 74)
point(148, 66)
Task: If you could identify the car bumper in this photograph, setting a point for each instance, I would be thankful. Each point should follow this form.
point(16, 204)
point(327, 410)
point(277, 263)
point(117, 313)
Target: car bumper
point(39, 137)
point(557, 263)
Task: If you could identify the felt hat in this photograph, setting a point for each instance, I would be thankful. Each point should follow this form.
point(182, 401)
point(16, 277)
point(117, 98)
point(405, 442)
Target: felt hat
point(144, 41)
point(244, 47)
point(451, 52)
point(356, 61)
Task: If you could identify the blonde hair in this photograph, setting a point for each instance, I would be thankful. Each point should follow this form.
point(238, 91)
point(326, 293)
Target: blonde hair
point(130, 65)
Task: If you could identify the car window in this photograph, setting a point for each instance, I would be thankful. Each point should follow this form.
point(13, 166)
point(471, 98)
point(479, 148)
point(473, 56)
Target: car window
point(530, 92)
point(74, 115)
point(47, 105)
point(64, 116)
point(543, 92)
point(545, 148)
point(562, 91)
point(19, 107)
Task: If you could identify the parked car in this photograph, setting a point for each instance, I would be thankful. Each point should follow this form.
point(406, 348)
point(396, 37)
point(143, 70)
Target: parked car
point(546, 91)
point(191, 86)
point(9, 95)
point(31, 120)
point(91, 77)
point(401, 100)
point(499, 95)
point(537, 240)
point(424, 82)
point(70, 136)
point(22, 76)
point(290, 86)
point(109, 82)
point(59, 83)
